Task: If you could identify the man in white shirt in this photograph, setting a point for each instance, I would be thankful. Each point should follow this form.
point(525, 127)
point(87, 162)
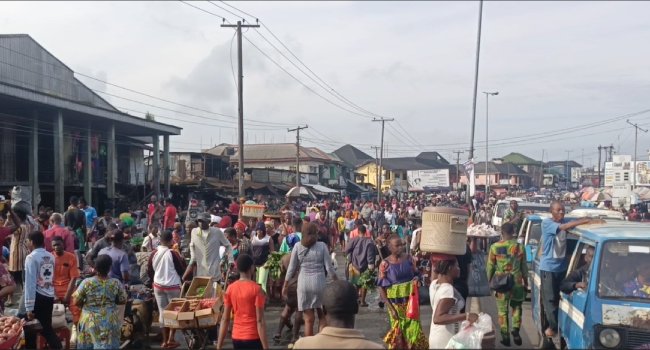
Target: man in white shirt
point(205, 245)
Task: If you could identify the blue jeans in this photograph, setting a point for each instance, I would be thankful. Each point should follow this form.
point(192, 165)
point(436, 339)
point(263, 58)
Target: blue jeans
point(550, 295)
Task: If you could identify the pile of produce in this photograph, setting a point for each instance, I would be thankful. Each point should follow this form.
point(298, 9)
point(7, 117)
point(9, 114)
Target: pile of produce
point(11, 327)
point(274, 266)
point(207, 303)
point(367, 280)
point(482, 230)
point(200, 291)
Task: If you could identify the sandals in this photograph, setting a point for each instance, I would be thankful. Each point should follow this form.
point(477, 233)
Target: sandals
point(171, 345)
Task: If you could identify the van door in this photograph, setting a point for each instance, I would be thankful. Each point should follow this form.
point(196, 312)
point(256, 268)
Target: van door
point(571, 313)
point(536, 295)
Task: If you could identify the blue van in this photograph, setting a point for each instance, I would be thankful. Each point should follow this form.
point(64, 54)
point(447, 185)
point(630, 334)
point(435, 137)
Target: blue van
point(613, 312)
point(530, 235)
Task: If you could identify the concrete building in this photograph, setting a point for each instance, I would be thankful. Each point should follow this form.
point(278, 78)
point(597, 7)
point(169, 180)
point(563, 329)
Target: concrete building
point(61, 138)
point(395, 170)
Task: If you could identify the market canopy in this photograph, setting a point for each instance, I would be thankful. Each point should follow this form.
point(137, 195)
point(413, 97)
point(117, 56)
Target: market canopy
point(322, 189)
point(299, 191)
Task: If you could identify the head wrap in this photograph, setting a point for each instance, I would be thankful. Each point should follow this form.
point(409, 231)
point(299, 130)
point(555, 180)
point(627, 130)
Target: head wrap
point(240, 224)
point(260, 227)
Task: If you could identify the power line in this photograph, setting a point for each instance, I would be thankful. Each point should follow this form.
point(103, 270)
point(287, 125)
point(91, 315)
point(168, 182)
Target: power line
point(297, 79)
point(327, 87)
point(120, 87)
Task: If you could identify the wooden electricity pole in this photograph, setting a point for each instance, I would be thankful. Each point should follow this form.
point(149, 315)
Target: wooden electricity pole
point(381, 153)
point(297, 130)
point(240, 98)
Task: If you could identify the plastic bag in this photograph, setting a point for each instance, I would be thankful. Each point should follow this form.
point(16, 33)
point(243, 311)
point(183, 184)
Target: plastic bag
point(471, 336)
point(413, 306)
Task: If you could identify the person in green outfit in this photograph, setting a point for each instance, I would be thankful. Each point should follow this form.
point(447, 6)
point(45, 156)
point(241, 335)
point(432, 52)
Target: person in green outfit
point(514, 216)
point(509, 257)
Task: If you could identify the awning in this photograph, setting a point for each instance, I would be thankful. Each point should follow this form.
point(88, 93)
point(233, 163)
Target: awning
point(322, 189)
point(354, 187)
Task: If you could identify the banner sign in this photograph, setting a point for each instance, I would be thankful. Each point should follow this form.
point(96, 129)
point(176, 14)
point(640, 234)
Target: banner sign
point(420, 180)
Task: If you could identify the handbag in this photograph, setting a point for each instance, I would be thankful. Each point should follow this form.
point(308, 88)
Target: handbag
point(413, 305)
point(502, 283)
point(58, 316)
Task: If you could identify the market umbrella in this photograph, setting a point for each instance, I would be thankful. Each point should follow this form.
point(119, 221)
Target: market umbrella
point(569, 195)
point(600, 197)
point(299, 191)
point(588, 189)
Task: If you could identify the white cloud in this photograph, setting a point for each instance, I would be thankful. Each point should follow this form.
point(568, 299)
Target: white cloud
point(555, 64)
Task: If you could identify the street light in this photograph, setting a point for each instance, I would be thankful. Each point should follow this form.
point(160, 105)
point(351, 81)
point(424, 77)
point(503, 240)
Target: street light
point(487, 179)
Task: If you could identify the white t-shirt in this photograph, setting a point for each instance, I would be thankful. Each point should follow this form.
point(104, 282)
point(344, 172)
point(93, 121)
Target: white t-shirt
point(163, 265)
point(439, 335)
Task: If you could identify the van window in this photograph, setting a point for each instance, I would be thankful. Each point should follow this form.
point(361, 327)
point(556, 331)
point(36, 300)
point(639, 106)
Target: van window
point(535, 234)
point(624, 271)
point(579, 260)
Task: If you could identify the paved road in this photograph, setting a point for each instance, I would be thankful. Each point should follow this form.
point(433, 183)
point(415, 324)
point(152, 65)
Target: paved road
point(528, 333)
point(373, 321)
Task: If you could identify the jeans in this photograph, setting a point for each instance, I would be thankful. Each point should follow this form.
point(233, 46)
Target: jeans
point(246, 344)
point(163, 298)
point(43, 313)
point(551, 296)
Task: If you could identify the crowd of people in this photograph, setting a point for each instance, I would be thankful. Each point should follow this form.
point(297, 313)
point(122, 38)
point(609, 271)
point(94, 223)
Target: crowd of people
point(88, 262)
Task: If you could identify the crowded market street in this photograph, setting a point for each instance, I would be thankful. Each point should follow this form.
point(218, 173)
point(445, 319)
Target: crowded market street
point(324, 175)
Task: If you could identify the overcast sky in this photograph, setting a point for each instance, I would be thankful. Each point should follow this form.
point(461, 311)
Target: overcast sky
point(557, 66)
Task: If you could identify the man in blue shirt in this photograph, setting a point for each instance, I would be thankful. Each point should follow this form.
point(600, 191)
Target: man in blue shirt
point(120, 268)
point(553, 264)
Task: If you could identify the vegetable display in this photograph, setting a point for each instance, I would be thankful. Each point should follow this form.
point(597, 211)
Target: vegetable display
point(367, 280)
point(200, 291)
point(273, 265)
point(11, 326)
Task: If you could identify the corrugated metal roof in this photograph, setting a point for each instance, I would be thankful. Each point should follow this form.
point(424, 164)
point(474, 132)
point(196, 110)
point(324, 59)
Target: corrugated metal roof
point(280, 152)
point(352, 156)
point(29, 72)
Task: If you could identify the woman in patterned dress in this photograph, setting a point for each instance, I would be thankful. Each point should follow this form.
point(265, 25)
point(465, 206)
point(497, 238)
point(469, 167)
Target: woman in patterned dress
point(397, 275)
point(98, 297)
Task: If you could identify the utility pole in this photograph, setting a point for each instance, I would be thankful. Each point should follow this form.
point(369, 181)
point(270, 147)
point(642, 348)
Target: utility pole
point(458, 168)
point(600, 184)
point(240, 98)
point(468, 200)
point(541, 167)
point(297, 130)
point(611, 152)
point(636, 137)
point(568, 171)
point(376, 148)
point(487, 159)
point(381, 153)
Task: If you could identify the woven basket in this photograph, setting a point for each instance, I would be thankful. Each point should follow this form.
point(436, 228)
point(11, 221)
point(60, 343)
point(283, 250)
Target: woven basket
point(444, 230)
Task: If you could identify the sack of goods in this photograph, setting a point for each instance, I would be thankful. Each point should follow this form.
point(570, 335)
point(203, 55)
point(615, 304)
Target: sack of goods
point(444, 230)
point(481, 230)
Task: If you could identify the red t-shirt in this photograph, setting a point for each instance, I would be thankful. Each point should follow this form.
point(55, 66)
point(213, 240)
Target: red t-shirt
point(170, 216)
point(244, 297)
point(234, 208)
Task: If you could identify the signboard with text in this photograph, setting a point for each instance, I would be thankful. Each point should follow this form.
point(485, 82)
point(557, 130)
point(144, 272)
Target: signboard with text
point(421, 180)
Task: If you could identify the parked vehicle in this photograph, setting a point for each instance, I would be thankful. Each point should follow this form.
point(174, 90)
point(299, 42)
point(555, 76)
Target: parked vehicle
point(596, 213)
point(502, 205)
point(529, 235)
point(604, 315)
